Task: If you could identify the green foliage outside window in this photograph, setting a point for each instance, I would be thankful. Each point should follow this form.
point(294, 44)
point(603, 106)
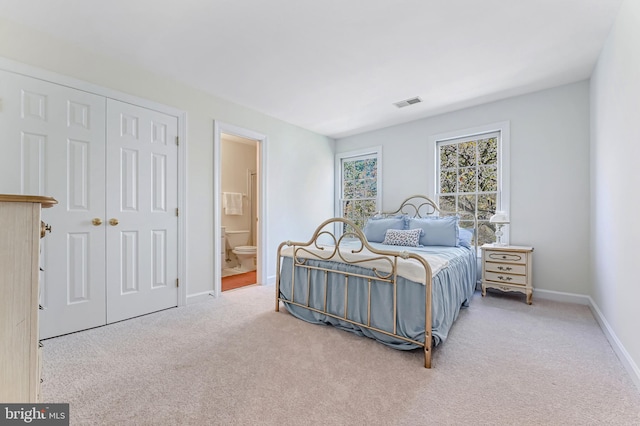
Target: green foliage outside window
point(359, 189)
point(468, 183)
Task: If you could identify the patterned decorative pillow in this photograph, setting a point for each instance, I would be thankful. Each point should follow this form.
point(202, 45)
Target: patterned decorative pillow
point(403, 237)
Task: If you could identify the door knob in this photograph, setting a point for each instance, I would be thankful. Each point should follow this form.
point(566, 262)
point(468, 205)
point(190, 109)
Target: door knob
point(113, 221)
point(96, 221)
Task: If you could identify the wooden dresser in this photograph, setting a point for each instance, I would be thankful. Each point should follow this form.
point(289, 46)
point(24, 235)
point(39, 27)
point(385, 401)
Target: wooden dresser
point(20, 358)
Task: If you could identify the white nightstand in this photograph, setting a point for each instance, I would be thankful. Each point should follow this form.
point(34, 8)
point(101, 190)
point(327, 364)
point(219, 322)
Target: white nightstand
point(507, 268)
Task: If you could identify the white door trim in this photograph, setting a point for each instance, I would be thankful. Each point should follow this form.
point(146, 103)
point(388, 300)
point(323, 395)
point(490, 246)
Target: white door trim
point(52, 77)
point(218, 128)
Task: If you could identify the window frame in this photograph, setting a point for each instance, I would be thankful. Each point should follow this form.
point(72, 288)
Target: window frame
point(503, 168)
point(371, 152)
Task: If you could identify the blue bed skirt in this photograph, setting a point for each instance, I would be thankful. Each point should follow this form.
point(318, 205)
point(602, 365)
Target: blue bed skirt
point(452, 288)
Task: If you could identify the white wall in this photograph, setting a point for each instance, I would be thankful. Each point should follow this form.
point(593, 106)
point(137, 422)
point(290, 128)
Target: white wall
point(615, 179)
point(299, 162)
point(549, 174)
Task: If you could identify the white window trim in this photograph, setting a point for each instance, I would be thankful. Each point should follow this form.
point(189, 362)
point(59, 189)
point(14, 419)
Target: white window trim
point(504, 156)
point(374, 150)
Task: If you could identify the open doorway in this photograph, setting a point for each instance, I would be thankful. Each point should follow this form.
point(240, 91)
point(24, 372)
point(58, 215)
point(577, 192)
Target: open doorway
point(238, 183)
point(239, 158)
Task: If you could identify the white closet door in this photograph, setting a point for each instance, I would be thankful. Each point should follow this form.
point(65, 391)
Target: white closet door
point(53, 139)
point(142, 222)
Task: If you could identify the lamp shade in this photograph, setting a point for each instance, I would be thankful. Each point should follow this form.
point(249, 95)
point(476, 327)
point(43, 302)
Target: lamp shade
point(499, 217)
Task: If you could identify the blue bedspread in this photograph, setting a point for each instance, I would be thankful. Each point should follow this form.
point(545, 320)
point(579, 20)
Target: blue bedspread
point(452, 289)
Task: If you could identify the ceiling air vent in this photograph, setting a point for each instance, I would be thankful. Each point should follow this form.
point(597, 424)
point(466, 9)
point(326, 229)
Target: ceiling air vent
point(408, 102)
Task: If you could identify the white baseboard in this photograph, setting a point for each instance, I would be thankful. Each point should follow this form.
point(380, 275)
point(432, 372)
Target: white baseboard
point(624, 357)
point(559, 296)
point(205, 295)
point(617, 346)
point(199, 297)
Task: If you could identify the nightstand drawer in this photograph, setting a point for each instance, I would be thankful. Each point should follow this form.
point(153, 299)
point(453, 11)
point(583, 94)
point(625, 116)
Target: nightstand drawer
point(506, 267)
point(506, 278)
point(505, 256)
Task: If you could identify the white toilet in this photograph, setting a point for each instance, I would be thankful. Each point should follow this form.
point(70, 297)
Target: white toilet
point(246, 254)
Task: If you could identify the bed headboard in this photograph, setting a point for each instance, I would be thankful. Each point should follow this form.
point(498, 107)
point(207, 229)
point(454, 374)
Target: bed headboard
point(418, 206)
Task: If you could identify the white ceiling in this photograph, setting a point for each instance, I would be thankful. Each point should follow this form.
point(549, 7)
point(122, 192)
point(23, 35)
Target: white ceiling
point(337, 66)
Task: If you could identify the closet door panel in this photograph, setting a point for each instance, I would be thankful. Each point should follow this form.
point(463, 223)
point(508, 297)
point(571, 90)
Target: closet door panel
point(142, 197)
point(55, 145)
point(75, 299)
point(23, 128)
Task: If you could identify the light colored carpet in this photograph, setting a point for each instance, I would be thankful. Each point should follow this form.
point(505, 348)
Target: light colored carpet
point(233, 360)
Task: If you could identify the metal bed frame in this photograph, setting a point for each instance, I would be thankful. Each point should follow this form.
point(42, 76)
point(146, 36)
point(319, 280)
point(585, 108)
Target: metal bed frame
point(414, 206)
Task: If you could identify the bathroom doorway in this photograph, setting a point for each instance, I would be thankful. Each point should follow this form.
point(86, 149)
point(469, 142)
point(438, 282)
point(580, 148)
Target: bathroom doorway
point(238, 182)
point(238, 157)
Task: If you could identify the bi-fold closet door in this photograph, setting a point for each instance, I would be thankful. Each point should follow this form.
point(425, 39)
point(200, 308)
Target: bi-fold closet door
point(112, 166)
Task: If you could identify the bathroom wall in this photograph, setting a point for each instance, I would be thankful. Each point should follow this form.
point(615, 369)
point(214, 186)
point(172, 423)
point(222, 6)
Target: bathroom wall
point(237, 155)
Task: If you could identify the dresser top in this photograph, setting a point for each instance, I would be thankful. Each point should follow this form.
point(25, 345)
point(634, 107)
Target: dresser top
point(506, 248)
point(18, 198)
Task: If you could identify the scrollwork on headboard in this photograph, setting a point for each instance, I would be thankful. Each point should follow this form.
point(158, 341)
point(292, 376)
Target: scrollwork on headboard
point(418, 206)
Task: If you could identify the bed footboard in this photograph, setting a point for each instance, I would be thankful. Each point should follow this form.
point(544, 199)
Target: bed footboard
point(383, 264)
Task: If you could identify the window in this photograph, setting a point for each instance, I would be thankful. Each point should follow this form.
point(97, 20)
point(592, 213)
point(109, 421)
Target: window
point(472, 177)
point(358, 178)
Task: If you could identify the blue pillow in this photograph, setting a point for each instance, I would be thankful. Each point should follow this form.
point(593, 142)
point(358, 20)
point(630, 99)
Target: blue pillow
point(376, 228)
point(437, 231)
point(465, 236)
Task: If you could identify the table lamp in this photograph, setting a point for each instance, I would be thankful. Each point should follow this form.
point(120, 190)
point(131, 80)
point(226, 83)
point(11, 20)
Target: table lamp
point(500, 219)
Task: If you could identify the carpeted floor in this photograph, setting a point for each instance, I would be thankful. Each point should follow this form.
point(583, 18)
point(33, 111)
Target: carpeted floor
point(234, 361)
point(238, 280)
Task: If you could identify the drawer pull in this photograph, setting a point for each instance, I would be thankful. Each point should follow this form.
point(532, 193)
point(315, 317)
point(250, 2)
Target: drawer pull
point(509, 257)
point(44, 228)
point(502, 268)
point(500, 277)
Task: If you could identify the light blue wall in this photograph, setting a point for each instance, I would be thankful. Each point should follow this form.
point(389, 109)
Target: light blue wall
point(549, 173)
